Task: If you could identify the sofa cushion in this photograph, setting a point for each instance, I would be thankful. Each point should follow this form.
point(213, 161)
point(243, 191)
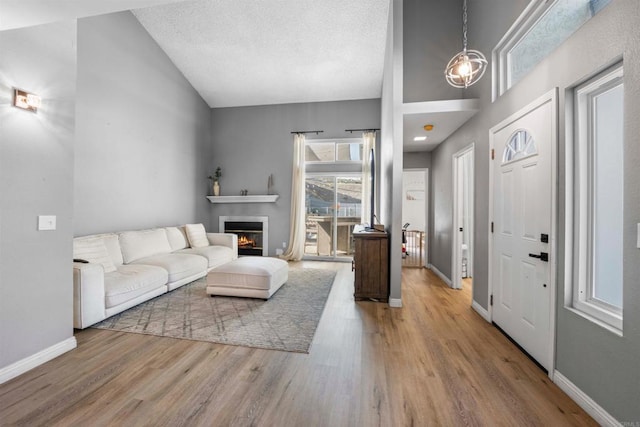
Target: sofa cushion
point(197, 235)
point(131, 281)
point(177, 238)
point(93, 249)
point(215, 255)
point(142, 244)
point(112, 242)
point(178, 265)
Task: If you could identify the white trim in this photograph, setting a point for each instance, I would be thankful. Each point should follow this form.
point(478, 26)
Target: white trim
point(456, 244)
point(35, 360)
point(395, 302)
point(259, 198)
point(481, 311)
point(439, 273)
point(598, 413)
point(444, 106)
point(552, 97)
point(580, 201)
point(527, 19)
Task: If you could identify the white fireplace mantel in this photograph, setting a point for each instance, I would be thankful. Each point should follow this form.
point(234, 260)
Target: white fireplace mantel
point(266, 198)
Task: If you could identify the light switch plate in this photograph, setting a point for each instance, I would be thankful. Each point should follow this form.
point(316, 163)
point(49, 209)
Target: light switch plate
point(46, 222)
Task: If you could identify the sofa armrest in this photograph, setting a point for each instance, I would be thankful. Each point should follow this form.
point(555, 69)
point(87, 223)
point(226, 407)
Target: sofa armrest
point(229, 240)
point(88, 294)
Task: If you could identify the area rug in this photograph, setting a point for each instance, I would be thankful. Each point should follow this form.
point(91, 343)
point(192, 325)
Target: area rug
point(287, 321)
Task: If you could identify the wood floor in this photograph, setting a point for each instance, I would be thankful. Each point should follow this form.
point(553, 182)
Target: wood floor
point(433, 362)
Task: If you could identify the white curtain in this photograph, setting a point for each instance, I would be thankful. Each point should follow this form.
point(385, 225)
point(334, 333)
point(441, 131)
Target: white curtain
point(368, 143)
point(297, 229)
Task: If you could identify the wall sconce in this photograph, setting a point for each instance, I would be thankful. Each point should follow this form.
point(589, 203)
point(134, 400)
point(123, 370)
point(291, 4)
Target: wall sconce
point(26, 100)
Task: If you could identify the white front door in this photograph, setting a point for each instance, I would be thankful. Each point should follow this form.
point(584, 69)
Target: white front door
point(523, 285)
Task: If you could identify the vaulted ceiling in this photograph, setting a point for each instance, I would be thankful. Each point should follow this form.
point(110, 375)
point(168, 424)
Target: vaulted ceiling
point(248, 52)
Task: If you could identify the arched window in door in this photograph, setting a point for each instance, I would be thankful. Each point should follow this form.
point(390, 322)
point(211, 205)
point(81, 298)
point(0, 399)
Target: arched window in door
point(521, 144)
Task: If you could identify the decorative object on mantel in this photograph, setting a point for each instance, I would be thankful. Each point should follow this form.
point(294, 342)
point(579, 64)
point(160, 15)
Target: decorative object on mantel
point(270, 184)
point(259, 198)
point(467, 66)
point(244, 192)
point(216, 181)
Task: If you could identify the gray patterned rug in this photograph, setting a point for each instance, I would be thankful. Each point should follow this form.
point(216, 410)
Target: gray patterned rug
point(287, 321)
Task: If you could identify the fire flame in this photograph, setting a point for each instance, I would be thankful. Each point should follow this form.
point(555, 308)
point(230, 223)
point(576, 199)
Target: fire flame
point(245, 241)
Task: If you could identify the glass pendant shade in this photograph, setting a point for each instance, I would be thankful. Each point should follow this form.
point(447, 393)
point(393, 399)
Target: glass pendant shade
point(466, 68)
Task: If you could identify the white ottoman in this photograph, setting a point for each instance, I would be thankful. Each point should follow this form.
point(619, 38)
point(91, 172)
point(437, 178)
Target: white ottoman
point(251, 276)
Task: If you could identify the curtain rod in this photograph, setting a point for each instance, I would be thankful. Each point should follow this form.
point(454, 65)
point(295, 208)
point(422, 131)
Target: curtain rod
point(317, 132)
point(361, 130)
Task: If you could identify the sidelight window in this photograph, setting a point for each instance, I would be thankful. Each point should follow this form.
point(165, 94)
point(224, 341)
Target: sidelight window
point(598, 193)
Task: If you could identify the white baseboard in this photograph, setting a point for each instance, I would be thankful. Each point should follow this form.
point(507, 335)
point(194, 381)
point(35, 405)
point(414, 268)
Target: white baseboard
point(481, 311)
point(601, 416)
point(395, 302)
point(444, 278)
point(28, 363)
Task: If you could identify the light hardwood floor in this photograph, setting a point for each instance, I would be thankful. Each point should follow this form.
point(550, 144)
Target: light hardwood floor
point(433, 362)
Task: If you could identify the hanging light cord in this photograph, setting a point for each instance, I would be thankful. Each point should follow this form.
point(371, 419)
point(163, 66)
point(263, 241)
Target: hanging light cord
point(464, 25)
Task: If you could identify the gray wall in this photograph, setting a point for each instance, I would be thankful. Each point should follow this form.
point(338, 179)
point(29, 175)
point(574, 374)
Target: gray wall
point(416, 160)
point(36, 178)
point(601, 364)
point(142, 132)
point(250, 143)
point(432, 34)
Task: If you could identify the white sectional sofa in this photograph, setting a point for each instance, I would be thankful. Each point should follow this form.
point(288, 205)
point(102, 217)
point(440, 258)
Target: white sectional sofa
point(127, 268)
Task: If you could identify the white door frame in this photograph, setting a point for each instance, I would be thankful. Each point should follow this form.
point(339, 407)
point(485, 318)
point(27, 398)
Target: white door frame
point(425, 263)
point(551, 96)
point(456, 244)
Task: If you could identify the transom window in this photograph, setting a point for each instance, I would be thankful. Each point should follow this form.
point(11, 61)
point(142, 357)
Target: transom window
point(325, 151)
point(539, 30)
point(520, 145)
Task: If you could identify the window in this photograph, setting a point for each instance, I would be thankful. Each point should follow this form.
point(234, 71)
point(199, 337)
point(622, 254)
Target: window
point(520, 145)
point(333, 196)
point(541, 28)
point(346, 150)
point(598, 157)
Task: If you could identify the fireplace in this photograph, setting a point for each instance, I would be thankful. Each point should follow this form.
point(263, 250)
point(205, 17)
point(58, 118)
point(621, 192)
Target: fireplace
point(252, 232)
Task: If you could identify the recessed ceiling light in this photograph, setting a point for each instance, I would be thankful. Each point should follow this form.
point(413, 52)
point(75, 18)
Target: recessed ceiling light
point(420, 138)
point(428, 127)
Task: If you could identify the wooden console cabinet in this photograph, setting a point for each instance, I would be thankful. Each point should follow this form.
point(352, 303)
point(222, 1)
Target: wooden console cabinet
point(371, 265)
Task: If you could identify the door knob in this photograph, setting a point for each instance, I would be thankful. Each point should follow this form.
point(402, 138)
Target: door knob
point(542, 257)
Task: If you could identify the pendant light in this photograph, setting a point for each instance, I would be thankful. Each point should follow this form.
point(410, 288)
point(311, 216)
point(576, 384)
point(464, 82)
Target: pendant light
point(468, 66)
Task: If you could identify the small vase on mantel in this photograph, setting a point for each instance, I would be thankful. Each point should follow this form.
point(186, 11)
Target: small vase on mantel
point(216, 188)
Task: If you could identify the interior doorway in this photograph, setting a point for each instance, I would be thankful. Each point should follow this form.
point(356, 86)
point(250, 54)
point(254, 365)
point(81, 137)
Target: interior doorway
point(463, 218)
point(415, 211)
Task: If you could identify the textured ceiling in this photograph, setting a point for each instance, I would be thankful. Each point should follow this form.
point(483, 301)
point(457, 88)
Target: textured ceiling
point(247, 52)
point(24, 13)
